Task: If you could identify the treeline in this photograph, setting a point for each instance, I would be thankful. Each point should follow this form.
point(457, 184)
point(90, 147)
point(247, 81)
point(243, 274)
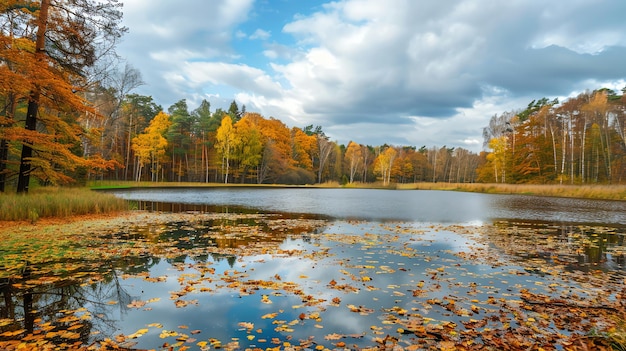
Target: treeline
point(579, 141)
point(234, 146)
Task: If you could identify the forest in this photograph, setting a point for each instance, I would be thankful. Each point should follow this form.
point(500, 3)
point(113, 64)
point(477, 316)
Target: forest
point(68, 114)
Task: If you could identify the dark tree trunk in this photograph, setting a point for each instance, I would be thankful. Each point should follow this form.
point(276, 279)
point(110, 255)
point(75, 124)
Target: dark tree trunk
point(27, 151)
point(33, 101)
point(9, 114)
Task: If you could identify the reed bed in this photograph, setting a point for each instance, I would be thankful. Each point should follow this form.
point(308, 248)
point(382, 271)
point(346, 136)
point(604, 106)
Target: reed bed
point(57, 202)
point(607, 192)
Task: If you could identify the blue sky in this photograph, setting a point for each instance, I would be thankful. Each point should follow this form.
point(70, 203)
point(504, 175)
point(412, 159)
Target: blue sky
point(402, 72)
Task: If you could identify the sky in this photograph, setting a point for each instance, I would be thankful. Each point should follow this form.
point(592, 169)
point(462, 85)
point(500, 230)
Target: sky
point(399, 72)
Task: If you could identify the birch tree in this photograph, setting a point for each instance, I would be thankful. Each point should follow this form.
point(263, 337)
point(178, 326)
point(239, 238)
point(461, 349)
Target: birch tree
point(354, 157)
point(224, 143)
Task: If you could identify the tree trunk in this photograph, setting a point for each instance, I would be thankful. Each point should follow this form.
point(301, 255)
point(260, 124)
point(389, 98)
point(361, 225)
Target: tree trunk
point(9, 112)
point(33, 102)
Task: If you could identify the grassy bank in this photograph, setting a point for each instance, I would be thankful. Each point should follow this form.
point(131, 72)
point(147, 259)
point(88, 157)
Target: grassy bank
point(607, 192)
point(58, 203)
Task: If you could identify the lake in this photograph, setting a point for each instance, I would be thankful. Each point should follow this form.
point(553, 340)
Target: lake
point(406, 205)
point(303, 268)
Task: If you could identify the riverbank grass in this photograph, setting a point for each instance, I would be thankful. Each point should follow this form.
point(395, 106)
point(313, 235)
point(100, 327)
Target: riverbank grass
point(604, 192)
point(57, 202)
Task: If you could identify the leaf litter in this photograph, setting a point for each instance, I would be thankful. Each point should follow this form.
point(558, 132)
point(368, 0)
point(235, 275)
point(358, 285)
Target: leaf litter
point(515, 286)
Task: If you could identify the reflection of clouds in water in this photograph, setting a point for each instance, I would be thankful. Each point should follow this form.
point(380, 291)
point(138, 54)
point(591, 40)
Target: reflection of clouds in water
point(394, 257)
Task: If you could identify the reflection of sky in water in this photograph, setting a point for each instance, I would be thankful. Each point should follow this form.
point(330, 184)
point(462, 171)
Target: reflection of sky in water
point(417, 253)
point(411, 205)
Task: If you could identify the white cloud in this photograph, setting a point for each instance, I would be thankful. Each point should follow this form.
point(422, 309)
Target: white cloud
point(260, 34)
point(400, 71)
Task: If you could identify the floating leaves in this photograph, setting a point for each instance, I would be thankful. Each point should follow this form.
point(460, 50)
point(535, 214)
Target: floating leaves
point(400, 285)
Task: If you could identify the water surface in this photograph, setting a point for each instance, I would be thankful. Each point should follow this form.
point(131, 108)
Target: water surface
point(349, 268)
point(410, 205)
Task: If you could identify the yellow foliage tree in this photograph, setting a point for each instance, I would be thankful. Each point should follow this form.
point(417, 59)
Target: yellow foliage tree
point(225, 143)
point(498, 157)
point(150, 146)
point(248, 145)
point(384, 163)
point(354, 157)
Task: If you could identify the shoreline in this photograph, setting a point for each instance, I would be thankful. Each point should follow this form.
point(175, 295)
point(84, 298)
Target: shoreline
point(586, 191)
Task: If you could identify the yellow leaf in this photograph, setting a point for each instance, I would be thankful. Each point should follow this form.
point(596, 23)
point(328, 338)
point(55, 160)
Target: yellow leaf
point(202, 343)
point(141, 331)
point(250, 337)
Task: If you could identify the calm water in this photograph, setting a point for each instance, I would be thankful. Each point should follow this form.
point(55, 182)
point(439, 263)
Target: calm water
point(376, 263)
point(418, 205)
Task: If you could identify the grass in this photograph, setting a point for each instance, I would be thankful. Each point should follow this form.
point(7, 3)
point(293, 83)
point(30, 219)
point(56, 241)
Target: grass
point(58, 203)
point(606, 192)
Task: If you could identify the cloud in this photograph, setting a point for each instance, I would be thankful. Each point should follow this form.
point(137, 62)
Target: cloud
point(260, 34)
point(401, 71)
point(166, 34)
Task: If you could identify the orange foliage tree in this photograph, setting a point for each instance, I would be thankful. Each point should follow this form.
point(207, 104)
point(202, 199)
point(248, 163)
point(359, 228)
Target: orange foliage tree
point(46, 77)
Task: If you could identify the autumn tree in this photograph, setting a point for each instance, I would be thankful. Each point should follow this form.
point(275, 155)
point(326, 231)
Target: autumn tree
point(304, 147)
point(277, 144)
point(325, 148)
point(224, 144)
point(137, 111)
point(248, 146)
point(597, 111)
point(498, 158)
point(384, 163)
point(150, 146)
point(51, 72)
point(354, 158)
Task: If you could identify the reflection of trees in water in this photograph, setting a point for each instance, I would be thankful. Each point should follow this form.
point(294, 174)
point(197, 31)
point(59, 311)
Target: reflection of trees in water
point(228, 232)
point(51, 309)
point(46, 305)
point(579, 247)
point(79, 303)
